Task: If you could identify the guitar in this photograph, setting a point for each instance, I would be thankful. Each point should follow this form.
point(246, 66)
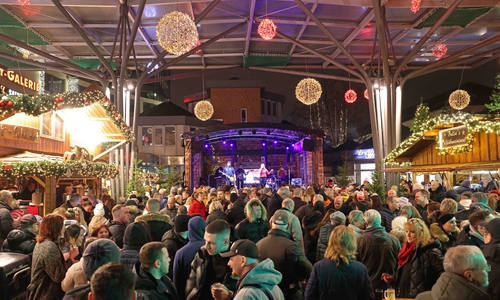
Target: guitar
point(242, 175)
point(230, 178)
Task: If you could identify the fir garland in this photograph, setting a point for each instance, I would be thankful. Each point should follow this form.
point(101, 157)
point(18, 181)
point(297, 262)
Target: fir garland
point(495, 97)
point(54, 168)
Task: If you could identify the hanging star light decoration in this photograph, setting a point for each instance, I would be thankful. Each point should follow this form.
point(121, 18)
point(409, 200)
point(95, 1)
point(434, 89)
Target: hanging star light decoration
point(439, 50)
point(415, 5)
point(267, 29)
point(350, 96)
point(308, 91)
point(177, 33)
point(204, 110)
point(459, 99)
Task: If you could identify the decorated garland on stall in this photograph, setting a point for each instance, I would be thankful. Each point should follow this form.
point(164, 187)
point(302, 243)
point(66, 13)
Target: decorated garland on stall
point(53, 168)
point(40, 104)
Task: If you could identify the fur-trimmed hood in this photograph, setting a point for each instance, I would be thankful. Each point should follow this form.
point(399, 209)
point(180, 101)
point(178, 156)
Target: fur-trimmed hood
point(153, 217)
point(439, 233)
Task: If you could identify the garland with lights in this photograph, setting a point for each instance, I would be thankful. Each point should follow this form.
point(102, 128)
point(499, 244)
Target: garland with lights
point(495, 97)
point(54, 168)
point(40, 104)
point(421, 115)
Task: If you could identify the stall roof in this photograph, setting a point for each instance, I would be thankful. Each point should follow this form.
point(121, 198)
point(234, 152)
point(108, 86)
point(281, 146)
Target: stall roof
point(30, 156)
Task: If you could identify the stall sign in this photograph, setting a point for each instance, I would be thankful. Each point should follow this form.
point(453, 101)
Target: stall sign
point(364, 154)
point(453, 137)
point(14, 77)
point(16, 132)
point(6, 91)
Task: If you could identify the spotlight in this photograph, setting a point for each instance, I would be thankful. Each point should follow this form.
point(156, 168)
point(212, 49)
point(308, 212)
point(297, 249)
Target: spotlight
point(275, 142)
point(287, 147)
point(224, 142)
point(268, 131)
point(263, 144)
point(240, 132)
point(206, 145)
point(254, 131)
point(231, 144)
point(130, 85)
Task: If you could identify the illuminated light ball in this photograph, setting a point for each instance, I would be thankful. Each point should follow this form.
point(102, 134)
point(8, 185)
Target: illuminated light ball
point(365, 94)
point(9, 104)
point(267, 29)
point(308, 91)
point(5, 98)
point(176, 33)
point(196, 45)
point(2, 103)
point(459, 99)
point(204, 110)
point(350, 96)
point(415, 5)
point(439, 50)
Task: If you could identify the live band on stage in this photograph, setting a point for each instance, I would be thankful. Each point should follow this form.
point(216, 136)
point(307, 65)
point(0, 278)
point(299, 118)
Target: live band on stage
point(245, 177)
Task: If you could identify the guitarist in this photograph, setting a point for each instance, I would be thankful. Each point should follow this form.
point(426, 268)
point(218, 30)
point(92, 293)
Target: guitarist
point(240, 177)
point(230, 173)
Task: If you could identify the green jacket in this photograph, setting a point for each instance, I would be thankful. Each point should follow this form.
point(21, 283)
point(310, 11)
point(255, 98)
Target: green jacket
point(451, 286)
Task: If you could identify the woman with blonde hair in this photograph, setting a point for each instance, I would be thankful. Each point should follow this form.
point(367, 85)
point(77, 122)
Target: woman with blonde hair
point(255, 226)
point(420, 261)
point(338, 275)
point(410, 212)
point(216, 211)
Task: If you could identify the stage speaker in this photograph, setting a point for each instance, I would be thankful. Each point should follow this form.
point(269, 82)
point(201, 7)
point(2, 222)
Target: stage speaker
point(308, 145)
point(198, 146)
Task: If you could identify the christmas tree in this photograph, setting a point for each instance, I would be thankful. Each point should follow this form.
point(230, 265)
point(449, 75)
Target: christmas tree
point(495, 97)
point(421, 115)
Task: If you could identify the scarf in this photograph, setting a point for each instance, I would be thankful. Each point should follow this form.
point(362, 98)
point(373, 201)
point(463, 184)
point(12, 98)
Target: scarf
point(474, 232)
point(406, 253)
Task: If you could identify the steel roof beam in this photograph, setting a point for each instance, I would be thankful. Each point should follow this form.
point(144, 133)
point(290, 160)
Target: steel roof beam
point(302, 29)
point(249, 28)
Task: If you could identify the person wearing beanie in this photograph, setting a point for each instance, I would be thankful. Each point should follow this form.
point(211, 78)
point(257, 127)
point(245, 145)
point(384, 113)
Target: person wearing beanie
point(136, 235)
point(445, 230)
point(185, 255)
point(175, 239)
point(158, 223)
point(336, 218)
point(491, 251)
point(97, 254)
point(23, 239)
point(98, 218)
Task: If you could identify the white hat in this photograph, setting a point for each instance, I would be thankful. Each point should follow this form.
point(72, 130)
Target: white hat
point(99, 210)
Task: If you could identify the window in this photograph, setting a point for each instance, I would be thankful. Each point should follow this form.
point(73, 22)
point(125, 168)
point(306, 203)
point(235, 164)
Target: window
point(58, 128)
point(268, 108)
point(169, 136)
point(158, 137)
point(243, 115)
point(262, 107)
point(52, 126)
point(274, 109)
point(47, 124)
point(147, 136)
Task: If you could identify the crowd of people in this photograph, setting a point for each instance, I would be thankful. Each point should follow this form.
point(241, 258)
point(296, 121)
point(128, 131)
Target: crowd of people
point(255, 243)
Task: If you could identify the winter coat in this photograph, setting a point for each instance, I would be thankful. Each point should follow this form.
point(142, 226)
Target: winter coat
point(253, 231)
point(173, 241)
point(387, 217)
point(48, 269)
point(78, 293)
point(288, 257)
point(199, 208)
point(465, 238)
point(273, 205)
point(136, 235)
point(438, 194)
point(309, 223)
point(491, 252)
point(303, 211)
point(20, 240)
point(298, 203)
point(117, 230)
point(6, 221)
point(171, 213)
point(264, 276)
point(426, 266)
point(345, 281)
point(17, 213)
point(265, 199)
point(378, 251)
point(75, 277)
point(158, 224)
point(236, 213)
point(295, 228)
point(451, 286)
point(324, 236)
point(198, 283)
point(149, 285)
point(96, 221)
point(215, 215)
point(357, 231)
point(185, 255)
point(447, 240)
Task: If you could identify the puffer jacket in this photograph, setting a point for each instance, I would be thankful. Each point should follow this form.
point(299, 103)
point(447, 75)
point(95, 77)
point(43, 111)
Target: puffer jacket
point(253, 231)
point(151, 287)
point(387, 217)
point(6, 221)
point(216, 215)
point(117, 230)
point(262, 275)
point(447, 240)
point(324, 236)
point(158, 224)
point(378, 251)
point(491, 252)
point(451, 286)
point(426, 266)
point(236, 213)
point(136, 235)
point(466, 238)
point(173, 241)
point(438, 194)
point(20, 240)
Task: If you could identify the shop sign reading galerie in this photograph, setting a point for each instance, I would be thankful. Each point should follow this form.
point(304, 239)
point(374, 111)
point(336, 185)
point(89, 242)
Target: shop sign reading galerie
point(453, 137)
point(14, 77)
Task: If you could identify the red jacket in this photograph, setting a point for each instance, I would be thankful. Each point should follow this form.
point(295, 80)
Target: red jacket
point(198, 208)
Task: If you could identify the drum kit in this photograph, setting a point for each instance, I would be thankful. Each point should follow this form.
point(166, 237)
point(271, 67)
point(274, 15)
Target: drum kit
point(273, 182)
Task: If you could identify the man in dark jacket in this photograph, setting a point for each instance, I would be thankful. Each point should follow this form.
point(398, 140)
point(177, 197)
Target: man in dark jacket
point(208, 267)
point(472, 234)
point(113, 281)
point(158, 223)
point(377, 249)
point(276, 200)
point(297, 198)
point(117, 226)
point(151, 273)
point(135, 236)
point(491, 251)
point(175, 239)
point(422, 200)
point(237, 211)
point(73, 201)
point(185, 255)
point(23, 239)
point(389, 212)
point(170, 210)
point(265, 198)
point(288, 257)
point(6, 221)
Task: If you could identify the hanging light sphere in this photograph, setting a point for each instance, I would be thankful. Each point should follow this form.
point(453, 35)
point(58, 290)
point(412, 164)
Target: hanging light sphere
point(204, 110)
point(415, 5)
point(267, 29)
point(439, 50)
point(350, 96)
point(459, 99)
point(177, 33)
point(308, 91)
point(365, 94)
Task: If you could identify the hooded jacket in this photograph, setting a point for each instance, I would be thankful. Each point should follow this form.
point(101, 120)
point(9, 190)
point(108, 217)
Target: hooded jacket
point(6, 221)
point(117, 230)
point(378, 251)
point(20, 240)
point(136, 235)
point(491, 252)
point(466, 238)
point(150, 287)
point(447, 240)
point(185, 255)
point(237, 212)
point(451, 286)
point(387, 216)
point(158, 224)
point(263, 275)
point(251, 227)
point(173, 241)
point(438, 194)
